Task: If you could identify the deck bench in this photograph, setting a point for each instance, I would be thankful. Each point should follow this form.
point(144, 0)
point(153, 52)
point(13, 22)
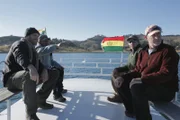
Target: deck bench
point(6, 94)
point(170, 110)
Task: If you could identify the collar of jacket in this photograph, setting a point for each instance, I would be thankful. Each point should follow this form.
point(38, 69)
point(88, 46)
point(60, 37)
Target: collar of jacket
point(38, 45)
point(136, 48)
point(157, 49)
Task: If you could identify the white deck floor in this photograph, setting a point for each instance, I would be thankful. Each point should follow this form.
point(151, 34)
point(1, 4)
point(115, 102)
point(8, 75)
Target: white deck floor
point(86, 100)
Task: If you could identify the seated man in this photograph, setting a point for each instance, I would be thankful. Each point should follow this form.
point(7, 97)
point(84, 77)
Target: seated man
point(44, 49)
point(134, 45)
point(154, 78)
point(23, 71)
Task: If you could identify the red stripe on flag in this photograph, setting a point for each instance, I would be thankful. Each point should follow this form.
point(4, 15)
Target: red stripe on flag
point(118, 38)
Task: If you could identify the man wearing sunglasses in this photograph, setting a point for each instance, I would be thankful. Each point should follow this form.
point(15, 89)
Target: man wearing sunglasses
point(135, 47)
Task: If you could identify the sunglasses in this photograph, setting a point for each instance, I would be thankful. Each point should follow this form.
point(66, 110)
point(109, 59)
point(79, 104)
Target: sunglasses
point(132, 41)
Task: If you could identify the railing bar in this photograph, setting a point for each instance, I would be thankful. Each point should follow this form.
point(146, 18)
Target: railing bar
point(95, 62)
point(8, 109)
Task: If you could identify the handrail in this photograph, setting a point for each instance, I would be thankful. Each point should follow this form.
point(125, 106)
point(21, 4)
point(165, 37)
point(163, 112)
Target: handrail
point(101, 73)
point(85, 61)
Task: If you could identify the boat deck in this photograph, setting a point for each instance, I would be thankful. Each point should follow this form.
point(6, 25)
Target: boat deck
point(86, 100)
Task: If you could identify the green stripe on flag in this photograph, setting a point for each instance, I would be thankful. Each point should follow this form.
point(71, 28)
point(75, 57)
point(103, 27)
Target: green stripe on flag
point(113, 48)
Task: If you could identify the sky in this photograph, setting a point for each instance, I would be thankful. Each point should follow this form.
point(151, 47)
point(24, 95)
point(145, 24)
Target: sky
point(82, 19)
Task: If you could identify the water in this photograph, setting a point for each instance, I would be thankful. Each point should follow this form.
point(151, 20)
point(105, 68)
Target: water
point(80, 58)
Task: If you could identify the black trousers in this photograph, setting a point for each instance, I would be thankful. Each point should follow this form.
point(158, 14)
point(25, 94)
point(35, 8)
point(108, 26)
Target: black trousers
point(113, 78)
point(21, 81)
point(135, 99)
point(59, 84)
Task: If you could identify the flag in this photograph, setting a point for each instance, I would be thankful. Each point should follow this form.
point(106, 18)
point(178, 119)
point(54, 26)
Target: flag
point(43, 31)
point(113, 43)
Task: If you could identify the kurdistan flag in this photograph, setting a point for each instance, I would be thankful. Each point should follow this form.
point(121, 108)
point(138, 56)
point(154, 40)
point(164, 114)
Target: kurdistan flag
point(43, 31)
point(113, 44)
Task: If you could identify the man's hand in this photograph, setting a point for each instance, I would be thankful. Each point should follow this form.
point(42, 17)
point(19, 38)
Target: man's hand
point(44, 75)
point(115, 73)
point(118, 82)
point(33, 73)
point(59, 44)
point(135, 81)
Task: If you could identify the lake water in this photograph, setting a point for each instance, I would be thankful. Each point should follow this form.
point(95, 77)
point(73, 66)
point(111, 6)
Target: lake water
point(70, 58)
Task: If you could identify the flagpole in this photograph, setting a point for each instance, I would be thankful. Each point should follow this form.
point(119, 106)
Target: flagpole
point(45, 30)
point(121, 59)
point(122, 55)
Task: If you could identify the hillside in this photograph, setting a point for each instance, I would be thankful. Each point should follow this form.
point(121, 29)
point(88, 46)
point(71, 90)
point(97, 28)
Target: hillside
point(92, 44)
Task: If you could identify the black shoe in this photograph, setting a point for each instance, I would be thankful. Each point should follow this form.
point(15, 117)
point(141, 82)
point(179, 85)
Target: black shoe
point(59, 98)
point(128, 114)
point(33, 117)
point(116, 98)
point(45, 105)
point(64, 91)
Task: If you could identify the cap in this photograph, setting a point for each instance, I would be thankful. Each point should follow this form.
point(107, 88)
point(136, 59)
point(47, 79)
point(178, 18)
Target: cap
point(133, 37)
point(30, 31)
point(152, 29)
point(43, 37)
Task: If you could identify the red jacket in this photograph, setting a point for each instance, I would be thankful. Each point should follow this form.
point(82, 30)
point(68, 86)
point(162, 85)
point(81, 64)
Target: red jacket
point(158, 68)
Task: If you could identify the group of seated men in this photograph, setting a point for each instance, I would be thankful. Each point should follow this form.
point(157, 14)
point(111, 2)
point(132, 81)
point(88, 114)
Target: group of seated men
point(150, 74)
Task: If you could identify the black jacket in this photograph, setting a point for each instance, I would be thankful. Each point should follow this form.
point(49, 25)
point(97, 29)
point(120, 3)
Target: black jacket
point(18, 58)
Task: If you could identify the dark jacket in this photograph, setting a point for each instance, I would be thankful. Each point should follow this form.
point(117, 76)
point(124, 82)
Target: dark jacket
point(18, 58)
point(158, 68)
point(132, 59)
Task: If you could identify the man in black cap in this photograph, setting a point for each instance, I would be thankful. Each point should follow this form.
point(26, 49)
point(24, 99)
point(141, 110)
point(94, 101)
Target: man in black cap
point(23, 71)
point(135, 47)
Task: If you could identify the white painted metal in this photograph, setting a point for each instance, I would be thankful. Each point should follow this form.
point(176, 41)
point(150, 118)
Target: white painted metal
point(8, 109)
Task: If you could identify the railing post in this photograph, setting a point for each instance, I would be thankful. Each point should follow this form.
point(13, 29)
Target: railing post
point(84, 60)
point(110, 60)
point(8, 109)
point(176, 96)
point(101, 70)
point(121, 60)
point(96, 65)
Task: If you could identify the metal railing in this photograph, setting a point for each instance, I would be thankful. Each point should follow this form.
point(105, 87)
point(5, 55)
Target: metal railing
point(91, 63)
point(85, 63)
point(75, 63)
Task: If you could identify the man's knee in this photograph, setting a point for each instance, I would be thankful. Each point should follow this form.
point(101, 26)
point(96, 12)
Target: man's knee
point(53, 74)
point(61, 72)
point(137, 90)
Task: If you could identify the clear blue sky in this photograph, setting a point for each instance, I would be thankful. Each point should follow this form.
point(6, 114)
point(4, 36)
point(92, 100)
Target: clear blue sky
point(82, 19)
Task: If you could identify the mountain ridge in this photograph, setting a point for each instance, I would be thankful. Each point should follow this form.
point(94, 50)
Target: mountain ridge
point(92, 44)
